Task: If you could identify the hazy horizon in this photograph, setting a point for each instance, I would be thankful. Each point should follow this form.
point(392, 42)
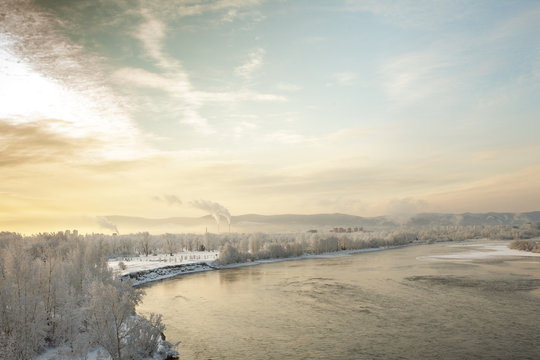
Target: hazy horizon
point(182, 108)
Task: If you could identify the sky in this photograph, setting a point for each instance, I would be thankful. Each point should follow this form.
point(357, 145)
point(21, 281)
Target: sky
point(151, 108)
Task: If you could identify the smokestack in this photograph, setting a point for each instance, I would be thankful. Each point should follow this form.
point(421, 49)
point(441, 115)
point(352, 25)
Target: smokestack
point(216, 210)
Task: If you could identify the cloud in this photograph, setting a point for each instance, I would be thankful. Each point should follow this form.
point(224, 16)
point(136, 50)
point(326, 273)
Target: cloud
point(36, 142)
point(172, 79)
point(515, 191)
point(345, 78)
point(169, 199)
point(416, 76)
point(230, 15)
point(44, 75)
point(188, 101)
point(253, 64)
point(151, 33)
point(193, 8)
point(196, 121)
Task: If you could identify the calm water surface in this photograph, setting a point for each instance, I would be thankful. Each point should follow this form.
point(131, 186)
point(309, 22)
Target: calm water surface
point(392, 304)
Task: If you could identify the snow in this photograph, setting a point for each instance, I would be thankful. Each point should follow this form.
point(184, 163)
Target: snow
point(164, 351)
point(161, 273)
point(151, 271)
point(61, 353)
point(481, 252)
point(140, 263)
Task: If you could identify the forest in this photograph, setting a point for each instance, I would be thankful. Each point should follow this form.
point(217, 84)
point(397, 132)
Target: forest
point(56, 290)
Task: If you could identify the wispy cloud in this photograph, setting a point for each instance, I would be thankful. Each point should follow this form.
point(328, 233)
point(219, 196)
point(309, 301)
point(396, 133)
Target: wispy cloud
point(191, 8)
point(345, 77)
point(151, 32)
point(175, 81)
point(254, 63)
point(415, 76)
point(192, 118)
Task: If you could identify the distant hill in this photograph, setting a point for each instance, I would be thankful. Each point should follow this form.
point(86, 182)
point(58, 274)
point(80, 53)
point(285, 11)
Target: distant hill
point(490, 218)
point(320, 222)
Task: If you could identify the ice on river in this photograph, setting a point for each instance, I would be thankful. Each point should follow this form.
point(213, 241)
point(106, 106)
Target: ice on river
point(481, 252)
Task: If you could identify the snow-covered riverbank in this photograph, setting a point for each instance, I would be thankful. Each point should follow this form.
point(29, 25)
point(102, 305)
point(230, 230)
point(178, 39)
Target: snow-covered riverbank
point(142, 272)
point(132, 264)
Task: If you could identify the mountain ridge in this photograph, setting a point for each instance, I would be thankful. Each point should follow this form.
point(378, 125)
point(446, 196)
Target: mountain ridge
point(324, 221)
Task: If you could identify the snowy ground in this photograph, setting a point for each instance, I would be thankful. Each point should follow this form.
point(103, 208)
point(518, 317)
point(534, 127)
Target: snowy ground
point(63, 353)
point(98, 353)
point(140, 263)
point(481, 251)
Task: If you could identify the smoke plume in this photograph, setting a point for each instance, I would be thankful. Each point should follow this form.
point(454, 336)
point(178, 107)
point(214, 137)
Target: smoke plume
point(402, 210)
point(216, 210)
point(107, 224)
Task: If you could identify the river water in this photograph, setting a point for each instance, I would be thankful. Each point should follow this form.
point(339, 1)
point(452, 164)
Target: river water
point(419, 302)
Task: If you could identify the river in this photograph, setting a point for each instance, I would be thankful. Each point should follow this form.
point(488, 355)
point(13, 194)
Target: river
point(418, 302)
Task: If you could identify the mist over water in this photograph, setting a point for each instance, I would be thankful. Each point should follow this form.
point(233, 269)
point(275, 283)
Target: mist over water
point(400, 303)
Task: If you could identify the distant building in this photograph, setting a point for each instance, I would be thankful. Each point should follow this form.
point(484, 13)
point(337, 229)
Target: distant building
point(347, 230)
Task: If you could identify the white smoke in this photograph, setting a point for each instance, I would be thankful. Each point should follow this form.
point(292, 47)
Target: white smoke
point(107, 224)
point(402, 210)
point(216, 210)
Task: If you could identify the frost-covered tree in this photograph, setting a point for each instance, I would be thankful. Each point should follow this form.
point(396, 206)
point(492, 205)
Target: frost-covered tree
point(170, 245)
point(111, 308)
point(57, 290)
point(144, 245)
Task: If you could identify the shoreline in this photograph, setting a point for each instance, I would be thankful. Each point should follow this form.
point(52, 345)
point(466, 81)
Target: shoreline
point(150, 276)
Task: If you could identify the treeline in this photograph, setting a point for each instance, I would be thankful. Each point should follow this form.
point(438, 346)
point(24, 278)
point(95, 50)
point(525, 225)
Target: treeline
point(252, 247)
point(144, 244)
point(235, 247)
point(526, 245)
point(56, 290)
